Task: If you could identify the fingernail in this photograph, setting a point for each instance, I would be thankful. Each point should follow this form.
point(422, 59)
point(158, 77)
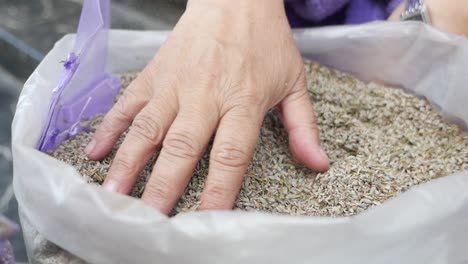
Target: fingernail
point(111, 185)
point(90, 147)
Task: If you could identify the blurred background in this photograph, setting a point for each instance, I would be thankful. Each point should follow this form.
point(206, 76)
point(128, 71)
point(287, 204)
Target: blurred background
point(28, 30)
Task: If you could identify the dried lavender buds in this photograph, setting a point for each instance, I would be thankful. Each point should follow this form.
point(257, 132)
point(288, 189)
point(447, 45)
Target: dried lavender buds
point(381, 142)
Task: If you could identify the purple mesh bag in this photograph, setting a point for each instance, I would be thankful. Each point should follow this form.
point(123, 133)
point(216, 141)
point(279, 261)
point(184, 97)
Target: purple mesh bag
point(84, 89)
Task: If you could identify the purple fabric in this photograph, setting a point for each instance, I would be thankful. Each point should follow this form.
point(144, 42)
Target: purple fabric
point(295, 20)
point(316, 10)
point(7, 230)
point(392, 5)
point(309, 13)
point(362, 11)
point(85, 89)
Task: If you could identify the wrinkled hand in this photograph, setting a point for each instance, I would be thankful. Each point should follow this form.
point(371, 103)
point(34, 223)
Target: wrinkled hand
point(223, 67)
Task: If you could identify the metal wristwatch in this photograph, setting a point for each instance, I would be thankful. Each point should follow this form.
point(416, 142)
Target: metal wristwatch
point(416, 10)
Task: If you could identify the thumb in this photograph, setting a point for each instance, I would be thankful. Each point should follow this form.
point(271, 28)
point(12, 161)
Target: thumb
point(299, 119)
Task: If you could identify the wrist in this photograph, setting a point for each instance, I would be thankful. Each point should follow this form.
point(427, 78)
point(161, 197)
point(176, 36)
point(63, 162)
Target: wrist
point(230, 19)
point(253, 8)
point(237, 3)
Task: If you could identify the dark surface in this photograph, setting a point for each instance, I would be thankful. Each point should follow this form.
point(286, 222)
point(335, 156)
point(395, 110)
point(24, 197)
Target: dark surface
point(28, 30)
point(9, 90)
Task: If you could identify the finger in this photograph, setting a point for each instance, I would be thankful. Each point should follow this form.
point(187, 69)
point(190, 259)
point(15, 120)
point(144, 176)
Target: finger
point(119, 118)
point(145, 135)
point(230, 157)
point(182, 148)
point(300, 122)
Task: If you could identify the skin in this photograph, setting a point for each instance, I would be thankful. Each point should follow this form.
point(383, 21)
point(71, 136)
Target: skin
point(225, 64)
point(447, 15)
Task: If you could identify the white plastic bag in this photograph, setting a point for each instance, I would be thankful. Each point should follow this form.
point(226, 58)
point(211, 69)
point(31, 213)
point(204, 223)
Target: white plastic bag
point(428, 224)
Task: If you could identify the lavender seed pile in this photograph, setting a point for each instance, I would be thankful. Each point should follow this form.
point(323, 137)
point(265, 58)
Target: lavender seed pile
point(381, 142)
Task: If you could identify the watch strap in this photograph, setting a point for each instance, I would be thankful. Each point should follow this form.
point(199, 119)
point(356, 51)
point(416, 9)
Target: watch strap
point(416, 10)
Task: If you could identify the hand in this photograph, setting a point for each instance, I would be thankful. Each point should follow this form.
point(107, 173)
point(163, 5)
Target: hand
point(447, 15)
point(223, 67)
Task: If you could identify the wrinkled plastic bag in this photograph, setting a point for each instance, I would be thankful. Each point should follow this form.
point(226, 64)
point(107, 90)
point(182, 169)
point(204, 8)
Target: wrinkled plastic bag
point(427, 224)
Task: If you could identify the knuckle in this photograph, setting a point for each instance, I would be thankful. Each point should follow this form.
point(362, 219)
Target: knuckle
point(216, 192)
point(302, 82)
point(245, 114)
point(300, 94)
point(121, 110)
point(217, 196)
point(242, 95)
point(157, 191)
point(107, 130)
point(147, 129)
point(252, 98)
point(122, 163)
point(301, 89)
point(182, 145)
point(145, 79)
point(212, 202)
point(312, 126)
point(229, 157)
point(106, 126)
point(313, 123)
point(304, 93)
point(309, 127)
point(208, 79)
